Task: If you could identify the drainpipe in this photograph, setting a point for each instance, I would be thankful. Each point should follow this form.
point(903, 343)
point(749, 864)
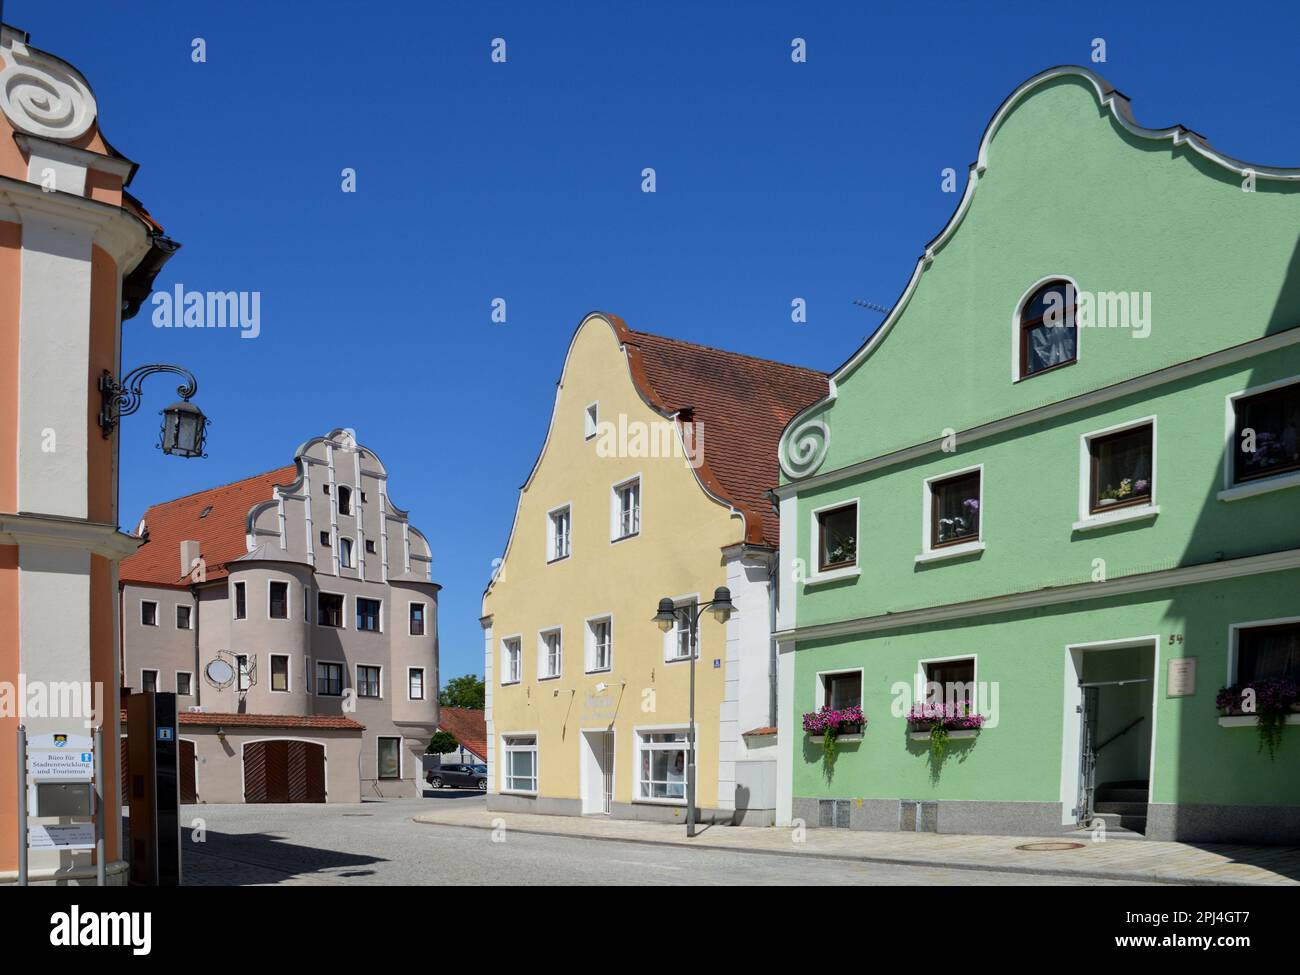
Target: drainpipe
point(774, 590)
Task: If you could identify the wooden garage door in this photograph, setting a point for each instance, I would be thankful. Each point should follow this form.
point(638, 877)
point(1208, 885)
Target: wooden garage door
point(189, 790)
point(284, 771)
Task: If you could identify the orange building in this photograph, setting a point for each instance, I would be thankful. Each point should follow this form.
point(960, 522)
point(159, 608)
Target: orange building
point(77, 255)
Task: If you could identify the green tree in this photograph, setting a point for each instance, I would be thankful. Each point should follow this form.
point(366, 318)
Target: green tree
point(463, 692)
point(442, 743)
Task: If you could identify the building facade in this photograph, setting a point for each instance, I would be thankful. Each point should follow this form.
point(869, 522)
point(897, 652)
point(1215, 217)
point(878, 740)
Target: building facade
point(649, 484)
point(304, 592)
point(77, 255)
point(1060, 489)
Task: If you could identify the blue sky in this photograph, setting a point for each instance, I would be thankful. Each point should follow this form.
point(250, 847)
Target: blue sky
point(522, 180)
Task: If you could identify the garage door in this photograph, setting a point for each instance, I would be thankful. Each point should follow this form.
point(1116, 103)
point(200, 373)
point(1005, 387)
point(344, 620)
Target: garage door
point(284, 771)
point(189, 785)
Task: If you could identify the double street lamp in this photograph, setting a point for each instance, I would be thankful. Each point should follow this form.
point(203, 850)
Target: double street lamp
point(667, 617)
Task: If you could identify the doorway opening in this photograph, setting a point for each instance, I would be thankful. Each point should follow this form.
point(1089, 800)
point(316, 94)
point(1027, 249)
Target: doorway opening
point(597, 772)
point(1110, 731)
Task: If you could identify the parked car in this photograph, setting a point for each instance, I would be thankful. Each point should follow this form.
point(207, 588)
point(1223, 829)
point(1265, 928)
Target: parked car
point(458, 777)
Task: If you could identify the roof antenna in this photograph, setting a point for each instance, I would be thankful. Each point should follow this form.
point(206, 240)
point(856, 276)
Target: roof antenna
point(872, 305)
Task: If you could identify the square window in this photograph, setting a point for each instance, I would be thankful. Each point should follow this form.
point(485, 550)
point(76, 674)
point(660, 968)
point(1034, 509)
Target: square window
point(279, 672)
point(370, 546)
point(950, 681)
point(1267, 434)
point(1268, 651)
point(368, 614)
point(329, 679)
point(367, 681)
point(1120, 469)
point(661, 761)
point(278, 601)
point(329, 609)
point(183, 617)
point(837, 542)
point(558, 534)
point(148, 613)
point(842, 690)
point(325, 539)
point(955, 510)
point(627, 510)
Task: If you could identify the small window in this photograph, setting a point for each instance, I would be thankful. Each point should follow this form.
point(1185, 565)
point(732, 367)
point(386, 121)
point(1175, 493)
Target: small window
point(345, 553)
point(325, 539)
point(390, 758)
point(368, 614)
point(241, 601)
point(363, 497)
point(183, 617)
point(590, 421)
point(345, 500)
point(550, 654)
point(558, 535)
point(955, 510)
point(1120, 473)
point(206, 511)
point(148, 680)
point(184, 683)
point(370, 546)
point(510, 663)
point(1048, 334)
point(627, 509)
point(842, 690)
point(950, 682)
point(685, 632)
point(1267, 434)
point(367, 681)
point(1265, 652)
point(600, 645)
point(278, 601)
point(244, 666)
point(415, 683)
point(329, 609)
point(662, 764)
point(329, 679)
point(325, 488)
point(148, 613)
point(417, 619)
point(837, 543)
point(280, 672)
point(521, 763)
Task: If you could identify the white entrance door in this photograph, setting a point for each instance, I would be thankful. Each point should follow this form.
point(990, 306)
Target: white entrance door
point(598, 771)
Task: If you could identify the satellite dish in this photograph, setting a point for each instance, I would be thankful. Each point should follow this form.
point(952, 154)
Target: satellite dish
point(219, 673)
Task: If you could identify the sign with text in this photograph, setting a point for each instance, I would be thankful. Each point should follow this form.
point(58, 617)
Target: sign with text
point(1180, 679)
point(61, 766)
point(74, 836)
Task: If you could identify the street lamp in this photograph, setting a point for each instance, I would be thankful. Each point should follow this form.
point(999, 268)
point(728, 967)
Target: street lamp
point(721, 607)
point(184, 427)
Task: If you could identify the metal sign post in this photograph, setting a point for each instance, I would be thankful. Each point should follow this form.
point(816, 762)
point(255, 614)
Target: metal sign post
point(22, 806)
point(99, 806)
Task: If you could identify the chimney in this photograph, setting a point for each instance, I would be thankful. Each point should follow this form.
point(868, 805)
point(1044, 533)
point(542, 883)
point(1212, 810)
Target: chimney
point(189, 552)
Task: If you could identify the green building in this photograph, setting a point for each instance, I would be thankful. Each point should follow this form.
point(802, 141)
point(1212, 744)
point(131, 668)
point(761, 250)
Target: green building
point(1060, 488)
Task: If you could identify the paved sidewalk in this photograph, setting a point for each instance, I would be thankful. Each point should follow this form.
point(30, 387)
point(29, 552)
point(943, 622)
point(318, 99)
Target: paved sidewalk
point(1115, 859)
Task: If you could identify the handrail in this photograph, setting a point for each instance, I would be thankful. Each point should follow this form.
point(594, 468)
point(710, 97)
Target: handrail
point(1119, 734)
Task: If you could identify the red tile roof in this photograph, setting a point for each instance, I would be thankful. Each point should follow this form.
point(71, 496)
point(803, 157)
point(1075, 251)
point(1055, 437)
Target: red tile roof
point(742, 403)
point(326, 722)
point(468, 725)
point(759, 732)
point(221, 534)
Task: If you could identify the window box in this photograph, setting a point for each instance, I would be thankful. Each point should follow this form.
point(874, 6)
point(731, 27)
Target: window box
point(942, 723)
point(827, 726)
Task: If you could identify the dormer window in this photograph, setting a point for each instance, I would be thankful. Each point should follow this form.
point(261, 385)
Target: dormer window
point(206, 511)
point(345, 500)
point(1049, 335)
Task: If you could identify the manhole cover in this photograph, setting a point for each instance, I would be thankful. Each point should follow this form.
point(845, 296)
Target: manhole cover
point(1048, 847)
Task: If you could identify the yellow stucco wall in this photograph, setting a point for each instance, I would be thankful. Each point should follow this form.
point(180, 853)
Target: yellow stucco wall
point(677, 553)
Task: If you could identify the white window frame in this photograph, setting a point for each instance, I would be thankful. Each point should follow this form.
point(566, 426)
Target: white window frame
point(288, 600)
point(343, 610)
point(589, 639)
point(352, 550)
point(424, 693)
point(379, 617)
point(190, 675)
point(356, 681)
point(919, 681)
point(671, 637)
point(814, 575)
point(343, 677)
point(424, 618)
point(543, 653)
point(1234, 634)
point(616, 508)
point(819, 692)
point(234, 599)
point(518, 640)
point(929, 553)
point(1261, 485)
point(506, 748)
point(154, 604)
point(401, 758)
point(639, 733)
point(157, 684)
point(244, 672)
point(288, 673)
point(190, 620)
point(590, 420)
point(352, 508)
point(1088, 520)
point(1015, 325)
point(552, 536)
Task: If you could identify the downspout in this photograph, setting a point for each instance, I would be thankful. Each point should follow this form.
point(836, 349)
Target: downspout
point(196, 680)
point(774, 590)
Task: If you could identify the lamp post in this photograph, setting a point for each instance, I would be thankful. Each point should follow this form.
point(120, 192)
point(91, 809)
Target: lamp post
point(184, 428)
point(667, 617)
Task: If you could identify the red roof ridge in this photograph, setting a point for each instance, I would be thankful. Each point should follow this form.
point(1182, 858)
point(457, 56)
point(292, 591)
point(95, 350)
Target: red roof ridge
point(638, 333)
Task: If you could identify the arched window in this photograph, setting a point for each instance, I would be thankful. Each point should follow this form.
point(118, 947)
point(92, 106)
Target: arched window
point(1049, 336)
point(345, 500)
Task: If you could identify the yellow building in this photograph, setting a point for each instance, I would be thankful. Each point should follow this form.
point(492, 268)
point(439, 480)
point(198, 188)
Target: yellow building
point(651, 482)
